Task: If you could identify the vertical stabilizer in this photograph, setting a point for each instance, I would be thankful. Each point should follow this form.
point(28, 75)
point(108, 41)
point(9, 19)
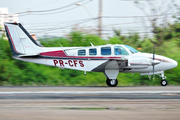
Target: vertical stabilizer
point(20, 41)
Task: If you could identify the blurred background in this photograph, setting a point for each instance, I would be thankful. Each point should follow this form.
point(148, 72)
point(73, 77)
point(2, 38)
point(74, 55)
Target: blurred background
point(142, 24)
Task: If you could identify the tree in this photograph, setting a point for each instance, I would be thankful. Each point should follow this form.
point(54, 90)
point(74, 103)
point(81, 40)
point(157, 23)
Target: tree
point(132, 39)
point(158, 14)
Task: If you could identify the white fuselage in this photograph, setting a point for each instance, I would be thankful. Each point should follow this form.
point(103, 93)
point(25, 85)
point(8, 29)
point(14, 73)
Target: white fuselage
point(137, 62)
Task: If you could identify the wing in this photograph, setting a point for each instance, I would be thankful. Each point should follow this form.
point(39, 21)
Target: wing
point(112, 65)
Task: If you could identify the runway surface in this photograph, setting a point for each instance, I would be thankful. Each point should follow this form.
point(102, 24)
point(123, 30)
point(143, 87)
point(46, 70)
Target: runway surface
point(169, 92)
point(90, 103)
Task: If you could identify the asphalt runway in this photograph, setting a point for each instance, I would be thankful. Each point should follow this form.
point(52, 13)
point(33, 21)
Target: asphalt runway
point(159, 92)
point(90, 103)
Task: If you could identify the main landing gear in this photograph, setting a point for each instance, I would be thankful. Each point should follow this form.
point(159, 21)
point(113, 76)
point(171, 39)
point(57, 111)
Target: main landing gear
point(111, 72)
point(111, 82)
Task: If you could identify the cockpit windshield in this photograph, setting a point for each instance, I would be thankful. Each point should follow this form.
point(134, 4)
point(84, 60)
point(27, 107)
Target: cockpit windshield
point(132, 50)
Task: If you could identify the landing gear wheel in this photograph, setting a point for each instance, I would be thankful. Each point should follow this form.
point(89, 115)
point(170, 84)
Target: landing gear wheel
point(111, 82)
point(164, 82)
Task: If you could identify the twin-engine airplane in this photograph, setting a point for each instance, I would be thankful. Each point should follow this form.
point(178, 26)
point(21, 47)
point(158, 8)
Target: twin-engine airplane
point(109, 59)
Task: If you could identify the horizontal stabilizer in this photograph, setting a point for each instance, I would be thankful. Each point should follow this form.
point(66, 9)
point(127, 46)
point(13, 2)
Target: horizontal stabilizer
point(32, 55)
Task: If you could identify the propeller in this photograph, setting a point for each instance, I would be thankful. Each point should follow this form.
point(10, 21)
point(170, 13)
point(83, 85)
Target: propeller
point(154, 62)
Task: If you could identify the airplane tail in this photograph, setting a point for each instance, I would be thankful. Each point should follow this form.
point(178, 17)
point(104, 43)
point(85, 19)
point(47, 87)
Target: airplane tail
point(21, 42)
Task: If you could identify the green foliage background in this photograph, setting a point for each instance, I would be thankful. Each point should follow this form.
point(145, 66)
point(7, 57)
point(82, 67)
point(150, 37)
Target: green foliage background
point(18, 73)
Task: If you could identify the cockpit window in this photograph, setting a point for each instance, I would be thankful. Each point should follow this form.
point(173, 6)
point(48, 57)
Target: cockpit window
point(118, 50)
point(132, 50)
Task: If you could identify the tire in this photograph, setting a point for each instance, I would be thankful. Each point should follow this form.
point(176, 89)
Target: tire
point(107, 82)
point(112, 82)
point(164, 82)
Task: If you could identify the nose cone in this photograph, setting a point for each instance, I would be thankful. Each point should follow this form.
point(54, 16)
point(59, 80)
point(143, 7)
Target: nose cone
point(170, 64)
point(174, 63)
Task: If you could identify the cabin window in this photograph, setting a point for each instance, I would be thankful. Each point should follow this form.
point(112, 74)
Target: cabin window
point(106, 51)
point(81, 52)
point(118, 50)
point(93, 51)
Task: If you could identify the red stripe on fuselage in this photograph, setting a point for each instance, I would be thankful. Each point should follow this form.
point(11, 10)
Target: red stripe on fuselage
point(160, 59)
point(61, 53)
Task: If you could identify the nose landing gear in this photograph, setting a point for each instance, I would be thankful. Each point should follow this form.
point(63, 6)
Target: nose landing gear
point(160, 74)
point(163, 81)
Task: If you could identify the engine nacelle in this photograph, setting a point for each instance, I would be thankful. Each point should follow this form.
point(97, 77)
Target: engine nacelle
point(139, 63)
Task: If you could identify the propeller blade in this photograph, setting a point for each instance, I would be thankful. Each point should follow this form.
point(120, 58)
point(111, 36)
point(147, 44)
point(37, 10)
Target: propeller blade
point(153, 53)
point(153, 60)
point(153, 73)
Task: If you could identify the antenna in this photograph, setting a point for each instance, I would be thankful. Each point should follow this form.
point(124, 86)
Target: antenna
point(61, 46)
point(91, 44)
